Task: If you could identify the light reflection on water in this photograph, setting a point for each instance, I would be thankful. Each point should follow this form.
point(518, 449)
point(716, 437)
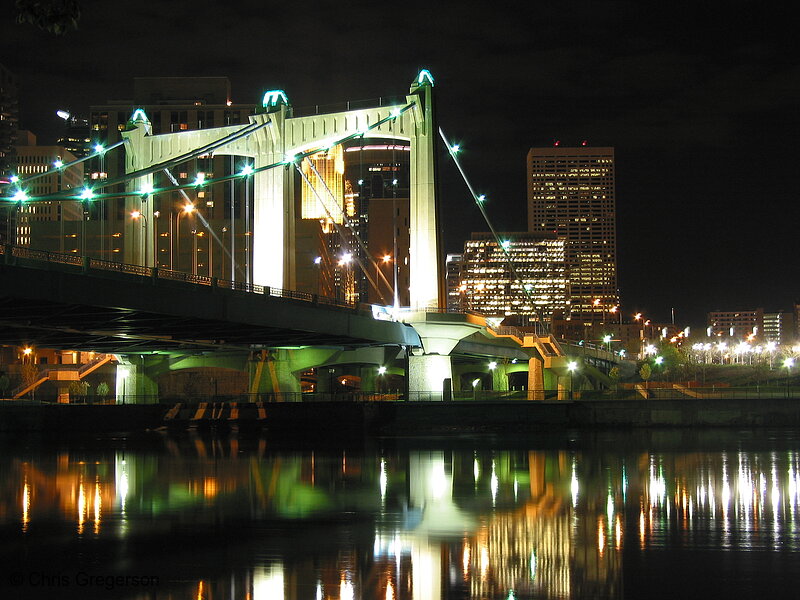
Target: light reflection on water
point(226, 518)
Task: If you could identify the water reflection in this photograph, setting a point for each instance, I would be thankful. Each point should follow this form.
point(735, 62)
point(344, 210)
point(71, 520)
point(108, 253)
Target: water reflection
point(228, 518)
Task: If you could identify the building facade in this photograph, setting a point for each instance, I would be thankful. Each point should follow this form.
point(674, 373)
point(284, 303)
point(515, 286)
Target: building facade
point(571, 193)
point(452, 285)
point(523, 275)
point(47, 225)
point(738, 324)
point(779, 328)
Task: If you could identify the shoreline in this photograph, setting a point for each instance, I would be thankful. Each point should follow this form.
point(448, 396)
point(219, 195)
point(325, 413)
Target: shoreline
point(345, 419)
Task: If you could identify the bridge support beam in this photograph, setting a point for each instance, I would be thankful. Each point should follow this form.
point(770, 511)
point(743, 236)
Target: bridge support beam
point(429, 377)
point(134, 384)
point(536, 379)
point(500, 378)
point(271, 373)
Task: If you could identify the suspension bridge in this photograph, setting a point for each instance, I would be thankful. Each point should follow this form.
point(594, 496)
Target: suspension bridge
point(297, 332)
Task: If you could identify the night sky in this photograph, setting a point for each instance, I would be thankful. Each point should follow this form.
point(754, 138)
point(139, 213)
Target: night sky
point(700, 100)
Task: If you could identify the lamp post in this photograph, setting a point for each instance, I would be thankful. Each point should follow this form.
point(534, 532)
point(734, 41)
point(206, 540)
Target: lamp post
point(572, 366)
point(136, 215)
point(156, 214)
point(788, 363)
point(186, 209)
point(194, 251)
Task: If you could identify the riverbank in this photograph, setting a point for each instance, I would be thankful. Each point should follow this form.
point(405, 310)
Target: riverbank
point(401, 418)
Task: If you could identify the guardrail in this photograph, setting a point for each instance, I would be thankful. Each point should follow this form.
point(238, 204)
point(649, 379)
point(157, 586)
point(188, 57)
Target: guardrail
point(11, 253)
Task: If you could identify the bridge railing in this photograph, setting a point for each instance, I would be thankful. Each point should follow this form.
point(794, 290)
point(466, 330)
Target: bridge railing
point(22, 252)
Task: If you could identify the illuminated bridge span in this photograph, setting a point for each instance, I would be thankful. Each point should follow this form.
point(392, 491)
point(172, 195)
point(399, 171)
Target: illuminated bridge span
point(69, 302)
point(134, 309)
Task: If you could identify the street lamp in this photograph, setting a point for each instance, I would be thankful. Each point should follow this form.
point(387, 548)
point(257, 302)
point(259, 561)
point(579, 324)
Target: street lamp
point(572, 366)
point(186, 209)
point(788, 363)
point(135, 215)
point(607, 341)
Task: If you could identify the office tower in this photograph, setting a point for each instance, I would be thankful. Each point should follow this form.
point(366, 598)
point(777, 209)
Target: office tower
point(358, 213)
point(571, 194)
point(47, 225)
point(201, 241)
point(536, 286)
point(8, 134)
point(452, 285)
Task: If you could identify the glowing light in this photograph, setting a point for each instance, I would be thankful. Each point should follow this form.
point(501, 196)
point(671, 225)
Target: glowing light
point(58, 164)
point(63, 114)
point(87, 194)
point(475, 382)
point(274, 98)
point(135, 214)
point(19, 196)
point(572, 366)
point(99, 148)
point(289, 159)
point(424, 75)
point(200, 179)
point(188, 208)
point(14, 178)
point(318, 260)
point(482, 198)
point(381, 370)
point(146, 190)
point(139, 116)
point(659, 360)
point(396, 112)
point(360, 182)
point(455, 148)
point(247, 170)
point(506, 244)
point(384, 479)
point(387, 258)
point(492, 365)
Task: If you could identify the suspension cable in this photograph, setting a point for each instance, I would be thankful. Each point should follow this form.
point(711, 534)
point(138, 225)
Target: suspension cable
point(479, 201)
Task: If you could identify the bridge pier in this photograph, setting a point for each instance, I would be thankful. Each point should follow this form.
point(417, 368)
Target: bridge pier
point(270, 372)
point(134, 384)
point(535, 379)
point(429, 376)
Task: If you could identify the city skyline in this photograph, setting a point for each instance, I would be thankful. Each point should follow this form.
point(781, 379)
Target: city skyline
point(696, 106)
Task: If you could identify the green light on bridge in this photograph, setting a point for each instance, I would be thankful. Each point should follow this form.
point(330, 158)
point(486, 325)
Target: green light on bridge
point(274, 98)
point(425, 75)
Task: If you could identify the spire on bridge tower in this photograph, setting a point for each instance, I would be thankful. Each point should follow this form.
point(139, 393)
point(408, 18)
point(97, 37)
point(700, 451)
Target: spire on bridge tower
point(139, 117)
point(273, 100)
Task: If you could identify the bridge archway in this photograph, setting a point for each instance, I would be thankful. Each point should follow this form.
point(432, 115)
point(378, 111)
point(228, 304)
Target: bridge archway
point(274, 139)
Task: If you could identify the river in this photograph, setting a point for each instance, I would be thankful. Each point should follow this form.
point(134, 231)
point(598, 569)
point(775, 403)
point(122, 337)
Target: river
point(672, 513)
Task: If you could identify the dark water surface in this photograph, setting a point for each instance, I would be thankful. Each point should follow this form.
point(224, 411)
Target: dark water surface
point(659, 514)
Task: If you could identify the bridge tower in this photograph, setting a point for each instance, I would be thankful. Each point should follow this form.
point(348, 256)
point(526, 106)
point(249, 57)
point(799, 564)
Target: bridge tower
point(275, 136)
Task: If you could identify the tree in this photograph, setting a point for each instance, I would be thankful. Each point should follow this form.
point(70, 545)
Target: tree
point(55, 16)
point(102, 390)
point(78, 389)
point(614, 375)
point(645, 372)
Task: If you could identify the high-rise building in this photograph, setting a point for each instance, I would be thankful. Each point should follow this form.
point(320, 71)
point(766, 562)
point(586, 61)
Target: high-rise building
point(8, 134)
point(452, 285)
point(524, 275)
point(358, 213)
point(53, 225)
point(571, 193)
point(8, 120)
